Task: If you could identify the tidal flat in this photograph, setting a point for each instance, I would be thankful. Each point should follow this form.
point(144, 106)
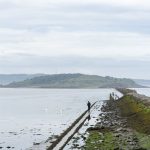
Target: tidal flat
point(31, 116)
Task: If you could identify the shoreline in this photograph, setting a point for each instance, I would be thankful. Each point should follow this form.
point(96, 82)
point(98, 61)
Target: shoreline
point(124, 124)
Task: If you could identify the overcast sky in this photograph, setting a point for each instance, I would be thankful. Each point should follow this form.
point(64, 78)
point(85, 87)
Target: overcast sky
point(104, 37)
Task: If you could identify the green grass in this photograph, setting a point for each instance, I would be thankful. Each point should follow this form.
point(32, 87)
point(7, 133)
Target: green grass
point(144, 140)
point(99, 141)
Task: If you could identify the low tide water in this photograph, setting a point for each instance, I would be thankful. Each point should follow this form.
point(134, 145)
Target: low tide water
point(143, 91)
point(30, 116)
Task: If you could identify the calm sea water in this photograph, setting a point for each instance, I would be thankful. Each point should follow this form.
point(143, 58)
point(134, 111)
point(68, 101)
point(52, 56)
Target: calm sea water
point(30, 116)
point(144, 91)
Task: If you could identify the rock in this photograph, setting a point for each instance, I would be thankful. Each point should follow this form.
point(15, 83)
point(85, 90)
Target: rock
point(132, 143)
point(75, 145)
point(36, 143)
point(135, 139)
point(102, 127)
point(139, 148)
point(37, 134)
point(117, 148)
point(8, 147)
point(117, 135)
point(121, 129)
point(93, 128)
point(84, 138)
point(101, 141)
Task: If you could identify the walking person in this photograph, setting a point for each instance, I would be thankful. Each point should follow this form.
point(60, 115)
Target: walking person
point(89, 105)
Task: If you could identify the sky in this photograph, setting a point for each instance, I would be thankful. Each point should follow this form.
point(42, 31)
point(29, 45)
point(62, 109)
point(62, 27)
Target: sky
point(103, 37)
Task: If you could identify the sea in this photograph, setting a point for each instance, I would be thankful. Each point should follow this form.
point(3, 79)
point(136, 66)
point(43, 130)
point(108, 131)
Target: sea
point(29, 116)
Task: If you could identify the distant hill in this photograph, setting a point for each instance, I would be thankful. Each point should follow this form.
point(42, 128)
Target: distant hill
point(9, 78)
point(74, 81)
point(142, 82)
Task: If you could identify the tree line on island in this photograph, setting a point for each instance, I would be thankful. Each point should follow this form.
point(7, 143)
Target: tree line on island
point(65, 81)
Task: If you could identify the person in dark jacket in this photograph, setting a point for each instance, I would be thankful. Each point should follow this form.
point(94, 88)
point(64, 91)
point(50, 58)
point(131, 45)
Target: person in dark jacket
point(89, 105)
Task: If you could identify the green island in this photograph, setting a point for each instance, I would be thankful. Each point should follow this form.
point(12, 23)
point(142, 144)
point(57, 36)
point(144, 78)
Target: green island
point(74, 81)
point(123, 125)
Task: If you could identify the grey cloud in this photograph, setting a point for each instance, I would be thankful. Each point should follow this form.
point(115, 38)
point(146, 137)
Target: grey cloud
point(67, 17)
point(103, 66)
point(27, 25)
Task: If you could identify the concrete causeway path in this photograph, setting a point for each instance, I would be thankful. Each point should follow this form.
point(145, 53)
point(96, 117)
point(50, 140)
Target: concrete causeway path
point(70, 134)
point(73, 129)
point(66, 136)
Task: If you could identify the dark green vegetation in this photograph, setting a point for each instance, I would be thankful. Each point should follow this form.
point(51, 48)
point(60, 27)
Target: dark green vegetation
point(136, 112)
point(75, 81)
point(125, 124)
point(126, 91)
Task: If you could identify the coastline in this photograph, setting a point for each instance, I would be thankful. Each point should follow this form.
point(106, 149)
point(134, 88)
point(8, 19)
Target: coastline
point(123, 124)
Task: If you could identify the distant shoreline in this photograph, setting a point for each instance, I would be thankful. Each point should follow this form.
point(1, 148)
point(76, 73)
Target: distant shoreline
point(72, 81)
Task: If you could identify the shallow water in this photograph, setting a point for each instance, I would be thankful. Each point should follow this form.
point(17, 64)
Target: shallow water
point(143, 91)
point(30, 116)
point(78, 137)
